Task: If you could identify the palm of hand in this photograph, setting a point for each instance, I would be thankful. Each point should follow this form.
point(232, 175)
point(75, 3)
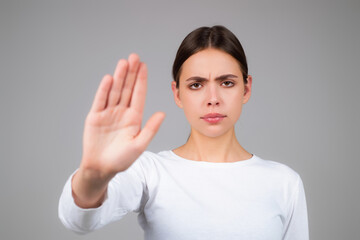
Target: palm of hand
point(113, 137)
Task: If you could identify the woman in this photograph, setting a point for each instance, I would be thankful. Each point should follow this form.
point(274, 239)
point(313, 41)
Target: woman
point(209, 188)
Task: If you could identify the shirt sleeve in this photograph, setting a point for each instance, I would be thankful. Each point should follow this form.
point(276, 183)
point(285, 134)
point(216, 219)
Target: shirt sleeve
point(126, 192)
point(296, 224)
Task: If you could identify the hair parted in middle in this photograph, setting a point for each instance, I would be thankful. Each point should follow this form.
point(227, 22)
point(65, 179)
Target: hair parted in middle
point(218, 37)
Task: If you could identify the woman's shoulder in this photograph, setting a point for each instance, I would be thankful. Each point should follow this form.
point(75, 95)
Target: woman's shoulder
point(278, 169)
point(148, 159)
point(151, 155)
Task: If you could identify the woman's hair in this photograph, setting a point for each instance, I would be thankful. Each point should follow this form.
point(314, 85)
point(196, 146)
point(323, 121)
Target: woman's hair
point(218, 37)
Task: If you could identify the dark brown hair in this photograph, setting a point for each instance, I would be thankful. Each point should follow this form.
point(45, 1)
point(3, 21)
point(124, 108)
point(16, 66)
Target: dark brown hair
point(218, 37)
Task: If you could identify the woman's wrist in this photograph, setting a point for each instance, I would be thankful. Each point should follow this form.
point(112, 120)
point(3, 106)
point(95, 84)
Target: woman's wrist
point(89, 187)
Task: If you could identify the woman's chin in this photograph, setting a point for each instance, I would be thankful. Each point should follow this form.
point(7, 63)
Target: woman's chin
point(212, 132)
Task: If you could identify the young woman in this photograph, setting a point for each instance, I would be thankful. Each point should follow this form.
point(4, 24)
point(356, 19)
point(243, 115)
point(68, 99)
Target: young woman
point(208, 188)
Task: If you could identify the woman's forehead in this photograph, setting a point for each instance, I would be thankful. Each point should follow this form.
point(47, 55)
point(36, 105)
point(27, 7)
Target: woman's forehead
point(210, 63)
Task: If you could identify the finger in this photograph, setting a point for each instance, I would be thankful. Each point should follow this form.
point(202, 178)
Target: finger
point(134, 63)
point(139, 93)
point(149, 131)
point(102, 93)
point(119, 78)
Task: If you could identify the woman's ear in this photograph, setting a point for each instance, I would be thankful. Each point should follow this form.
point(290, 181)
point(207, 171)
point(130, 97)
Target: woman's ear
point(247, 89)
point(176, 94)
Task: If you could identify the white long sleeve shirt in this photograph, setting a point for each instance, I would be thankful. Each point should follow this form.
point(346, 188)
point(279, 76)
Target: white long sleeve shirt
point(181, 199)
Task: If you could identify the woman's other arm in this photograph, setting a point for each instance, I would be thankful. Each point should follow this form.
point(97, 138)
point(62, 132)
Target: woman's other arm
point(296, 225)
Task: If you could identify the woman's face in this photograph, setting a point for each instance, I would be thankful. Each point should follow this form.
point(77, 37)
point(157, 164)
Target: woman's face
point(211, 91)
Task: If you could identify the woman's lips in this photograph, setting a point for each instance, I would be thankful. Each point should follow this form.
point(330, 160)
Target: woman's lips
point(213, 117)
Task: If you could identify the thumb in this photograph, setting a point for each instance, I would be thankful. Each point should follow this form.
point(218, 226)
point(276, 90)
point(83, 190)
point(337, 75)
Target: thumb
point(150, 129)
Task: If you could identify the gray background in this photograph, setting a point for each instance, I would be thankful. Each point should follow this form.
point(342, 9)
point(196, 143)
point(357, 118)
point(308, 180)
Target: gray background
point(304, 109)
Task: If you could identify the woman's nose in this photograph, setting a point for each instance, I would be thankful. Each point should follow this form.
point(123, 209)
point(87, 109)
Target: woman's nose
point(213, 102)
point(213, 96)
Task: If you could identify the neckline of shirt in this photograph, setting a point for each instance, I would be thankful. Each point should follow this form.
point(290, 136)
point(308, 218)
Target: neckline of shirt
point(215, 164)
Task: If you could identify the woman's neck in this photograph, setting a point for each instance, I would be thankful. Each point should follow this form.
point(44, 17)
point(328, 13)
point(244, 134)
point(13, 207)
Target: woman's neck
point(224, 148)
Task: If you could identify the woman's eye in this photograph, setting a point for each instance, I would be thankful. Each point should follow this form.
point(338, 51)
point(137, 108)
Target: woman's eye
point(195, 85)
point(228, 84)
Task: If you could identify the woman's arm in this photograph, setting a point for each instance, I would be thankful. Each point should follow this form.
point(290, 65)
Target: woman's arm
point(113, 138)
point(126, 192)
point(296, 225)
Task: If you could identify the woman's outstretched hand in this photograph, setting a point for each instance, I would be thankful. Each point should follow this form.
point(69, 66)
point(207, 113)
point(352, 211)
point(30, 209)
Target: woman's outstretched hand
point(113, 138)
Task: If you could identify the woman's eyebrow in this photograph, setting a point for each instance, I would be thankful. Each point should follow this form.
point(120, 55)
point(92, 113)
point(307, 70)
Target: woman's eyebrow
point(226, 76)
point(219, 78)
